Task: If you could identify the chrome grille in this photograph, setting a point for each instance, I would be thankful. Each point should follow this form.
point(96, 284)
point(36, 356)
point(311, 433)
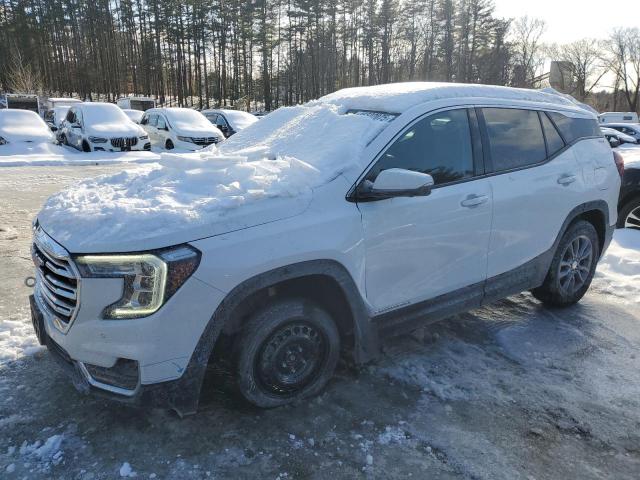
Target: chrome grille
point(56, 280)
point(125, 142)
point(204, 141)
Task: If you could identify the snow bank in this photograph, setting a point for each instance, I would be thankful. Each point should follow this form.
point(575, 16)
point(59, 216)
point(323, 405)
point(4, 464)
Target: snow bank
point(284, 155)
point(619, 270)
point(17, 339)
point(399, 97)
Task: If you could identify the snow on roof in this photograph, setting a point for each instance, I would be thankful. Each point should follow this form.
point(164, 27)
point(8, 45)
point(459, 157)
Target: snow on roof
point(400, 97)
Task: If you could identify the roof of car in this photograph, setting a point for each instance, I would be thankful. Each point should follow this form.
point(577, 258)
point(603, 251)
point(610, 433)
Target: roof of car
point(400, 97)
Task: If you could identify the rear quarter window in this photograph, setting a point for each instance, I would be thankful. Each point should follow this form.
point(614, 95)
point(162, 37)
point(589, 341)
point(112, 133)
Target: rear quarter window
point(573, 129)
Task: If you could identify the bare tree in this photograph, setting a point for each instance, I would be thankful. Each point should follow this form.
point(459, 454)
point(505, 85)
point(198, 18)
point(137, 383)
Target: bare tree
point(526, 35)
point(21, 77)
point(623, 59)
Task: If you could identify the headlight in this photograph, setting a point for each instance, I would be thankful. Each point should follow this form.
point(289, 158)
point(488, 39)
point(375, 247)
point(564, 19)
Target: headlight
point(185, 139)
point(144, 137)
point(97, 140)
point(150, 279)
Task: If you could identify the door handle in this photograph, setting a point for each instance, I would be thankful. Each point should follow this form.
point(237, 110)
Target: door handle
point(566, 179)
point(474, 200)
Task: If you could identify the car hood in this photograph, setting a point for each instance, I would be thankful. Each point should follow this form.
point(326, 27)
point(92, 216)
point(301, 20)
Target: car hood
point(197, 131)
point(114, 130)
point(26, 134)
point(183, 199)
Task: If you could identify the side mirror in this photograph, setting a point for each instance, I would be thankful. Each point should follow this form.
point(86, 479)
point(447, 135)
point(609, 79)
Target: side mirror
point(397, 182)
point(614, 142)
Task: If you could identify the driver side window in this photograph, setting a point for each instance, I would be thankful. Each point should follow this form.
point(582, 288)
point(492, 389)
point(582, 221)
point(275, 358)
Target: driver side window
point(439, 144)
point(162, 123)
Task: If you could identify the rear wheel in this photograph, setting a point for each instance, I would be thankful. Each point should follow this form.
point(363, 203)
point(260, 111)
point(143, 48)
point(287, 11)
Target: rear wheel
point(572, 268)
point(629, 216)
point(169, 145)
point(286, 352)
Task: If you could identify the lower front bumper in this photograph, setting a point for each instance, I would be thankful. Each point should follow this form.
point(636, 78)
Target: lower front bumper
point(182, 395)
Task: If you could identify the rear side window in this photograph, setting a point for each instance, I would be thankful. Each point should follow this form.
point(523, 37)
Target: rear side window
point(554, 141)
point(439, 145)
point(573, 129)
point(515, 138)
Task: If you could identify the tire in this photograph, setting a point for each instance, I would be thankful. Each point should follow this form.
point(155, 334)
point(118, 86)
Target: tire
point(572, 268)
point(63, 139)
point(629, 216)
point(85, 146)
point(286, 352)
point(169, 145)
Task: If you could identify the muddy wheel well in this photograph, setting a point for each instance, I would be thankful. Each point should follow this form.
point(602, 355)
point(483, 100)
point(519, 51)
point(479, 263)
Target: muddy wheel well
point(597, 219)
point(321, 289)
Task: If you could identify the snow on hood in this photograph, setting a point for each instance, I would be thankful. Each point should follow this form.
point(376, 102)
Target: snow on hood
point(190, 123)
point(23, 126)
point(263, 173)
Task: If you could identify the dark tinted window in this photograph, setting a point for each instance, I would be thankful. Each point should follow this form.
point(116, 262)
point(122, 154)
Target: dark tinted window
point(145, 120)
point(71, 116)
point(574, 128)
point(439, 145)
point(554, 141)
point(515, 138)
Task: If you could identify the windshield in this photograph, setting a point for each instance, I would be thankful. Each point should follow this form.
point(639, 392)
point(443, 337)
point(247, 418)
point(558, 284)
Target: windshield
point(239, 120)
point(103, 113)
point(187, 118)
point(60, 113)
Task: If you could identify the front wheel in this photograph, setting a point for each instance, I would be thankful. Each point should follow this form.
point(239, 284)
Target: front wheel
point(169, 145)
point(572, 268)
point(629, 216)
point(286, 352)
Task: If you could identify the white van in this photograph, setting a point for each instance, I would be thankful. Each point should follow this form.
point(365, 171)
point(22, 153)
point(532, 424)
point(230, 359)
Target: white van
point(136, 103)
point(618, 117)
point(181, 128)
point(318, 232)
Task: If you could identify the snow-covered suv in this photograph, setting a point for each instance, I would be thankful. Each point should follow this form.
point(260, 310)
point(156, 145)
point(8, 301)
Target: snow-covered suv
point(320, 230)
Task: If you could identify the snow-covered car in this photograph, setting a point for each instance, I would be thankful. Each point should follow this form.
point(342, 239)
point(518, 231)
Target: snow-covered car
point(229, 121)
point(629, 129)
point(321, 230)
point(98, 126)
point(20, 126)
point(181, 128)
point(55, 116)
point(134, 115)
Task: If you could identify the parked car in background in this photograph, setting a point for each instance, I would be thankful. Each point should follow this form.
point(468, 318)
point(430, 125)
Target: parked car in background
point(629, 129)
point(54, 102)
point(620, 137)
point(134, 115)
point(98, 126)
point(406, 204)
point(21, 101)
point(629, 204)
point(136, 103)
point(19, 126)
point(55, 116)
point(618, 117)
point(182, 128)
point(229, 121)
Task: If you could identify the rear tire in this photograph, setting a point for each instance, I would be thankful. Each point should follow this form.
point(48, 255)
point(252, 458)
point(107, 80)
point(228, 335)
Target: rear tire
point(286, 352)
point(169, 145)
point(572, 268)
point(629, 216)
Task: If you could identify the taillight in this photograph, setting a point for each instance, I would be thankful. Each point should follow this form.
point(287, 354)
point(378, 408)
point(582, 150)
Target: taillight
point(619, 161)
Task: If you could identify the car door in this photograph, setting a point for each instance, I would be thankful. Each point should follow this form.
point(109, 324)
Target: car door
point(536, 182)
point(418, 248)
point(162, 130)
point(70, 132)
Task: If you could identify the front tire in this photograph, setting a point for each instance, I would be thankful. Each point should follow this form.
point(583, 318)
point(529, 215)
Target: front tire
point(572, 268)
point(85, 146)
point(169, 145)
point(629, 216)
point(286, 352)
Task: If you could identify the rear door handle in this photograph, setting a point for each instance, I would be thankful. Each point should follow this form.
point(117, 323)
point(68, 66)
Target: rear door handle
point(566, 179)
point(474, 200)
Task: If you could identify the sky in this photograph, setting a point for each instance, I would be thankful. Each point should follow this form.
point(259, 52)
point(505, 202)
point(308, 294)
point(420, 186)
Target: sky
point(569, 20)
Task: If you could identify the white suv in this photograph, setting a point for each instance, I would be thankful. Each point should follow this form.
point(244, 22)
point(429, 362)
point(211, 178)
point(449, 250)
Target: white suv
point(322, 230)
point(181, 128)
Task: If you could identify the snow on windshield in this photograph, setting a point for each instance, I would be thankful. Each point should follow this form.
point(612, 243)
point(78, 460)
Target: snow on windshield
point(239, 120)
point(97, 113)
point(185, 118)
point(286, 154)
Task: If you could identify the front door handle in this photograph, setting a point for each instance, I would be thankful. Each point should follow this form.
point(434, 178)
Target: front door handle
point(474, 200)
point(566, 179)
